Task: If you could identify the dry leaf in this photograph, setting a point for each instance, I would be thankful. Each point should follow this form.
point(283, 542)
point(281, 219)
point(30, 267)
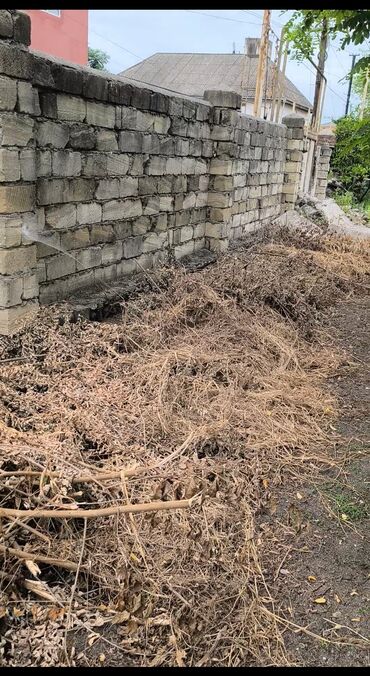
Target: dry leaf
point(119, 618)
point(134, 558)
point(344, 517)
point(299, 496)
point(265, 483)
point(3, 611)
point(320, 600)
point(338, 600)
point(93, 638)
point(101, 657)
point(40, 589)
point(18, 612)
point(55, 613)
point(311, 578)
point(33, 568)
point(180, 654)
point(356, 619)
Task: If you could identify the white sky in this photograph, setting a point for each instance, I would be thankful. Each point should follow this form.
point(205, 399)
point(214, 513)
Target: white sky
point(129, 36)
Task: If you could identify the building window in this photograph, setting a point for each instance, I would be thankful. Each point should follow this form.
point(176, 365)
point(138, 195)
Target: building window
point(54, 12)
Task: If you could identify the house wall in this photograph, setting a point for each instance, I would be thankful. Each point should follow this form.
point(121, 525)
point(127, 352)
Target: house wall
point(64, 36)
point(100, 178)
point(286, 109)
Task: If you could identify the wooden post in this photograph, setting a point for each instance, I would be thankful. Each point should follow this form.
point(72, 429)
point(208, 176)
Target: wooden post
point(364, 93)
point(262, 63)
point(281, 85)
point(319, 73)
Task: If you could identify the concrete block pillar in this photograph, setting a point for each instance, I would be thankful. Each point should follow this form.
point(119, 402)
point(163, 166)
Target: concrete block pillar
point(293, 159)
point(226, 107)
point(18, 104)
point(322, 170)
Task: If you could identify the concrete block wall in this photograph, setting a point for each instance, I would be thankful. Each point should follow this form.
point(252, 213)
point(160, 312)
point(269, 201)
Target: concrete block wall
point(324, 152)
point(101, 177)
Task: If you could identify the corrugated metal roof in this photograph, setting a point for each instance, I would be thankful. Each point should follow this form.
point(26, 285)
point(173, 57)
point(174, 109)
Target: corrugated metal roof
point(192, 74)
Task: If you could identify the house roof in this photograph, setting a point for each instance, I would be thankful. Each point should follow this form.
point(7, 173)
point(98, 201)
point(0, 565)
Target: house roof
point(192, 74)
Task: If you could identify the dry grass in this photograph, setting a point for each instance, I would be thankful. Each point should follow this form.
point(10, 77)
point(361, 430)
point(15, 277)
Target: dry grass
point(217, 380)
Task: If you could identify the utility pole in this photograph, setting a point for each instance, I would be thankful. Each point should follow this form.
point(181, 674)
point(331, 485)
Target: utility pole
point(319, 73)
point(364, 93)
point(350, 82)
point(262, 60)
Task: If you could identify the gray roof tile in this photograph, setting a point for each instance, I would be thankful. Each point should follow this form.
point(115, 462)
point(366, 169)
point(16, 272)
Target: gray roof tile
point(192, 74)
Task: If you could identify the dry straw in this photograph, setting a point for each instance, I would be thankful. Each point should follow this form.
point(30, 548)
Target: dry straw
point(211, 386)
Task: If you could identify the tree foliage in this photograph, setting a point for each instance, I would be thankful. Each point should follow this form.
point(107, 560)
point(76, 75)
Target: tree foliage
point(351, 26)
point(351, 156)
point(359, 79)
point(97, 58)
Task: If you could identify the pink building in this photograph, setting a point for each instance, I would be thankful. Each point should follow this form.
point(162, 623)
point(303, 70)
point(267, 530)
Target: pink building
point(60, 32)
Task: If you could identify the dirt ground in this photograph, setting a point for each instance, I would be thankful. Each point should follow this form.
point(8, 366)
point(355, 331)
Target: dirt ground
point(326, 525)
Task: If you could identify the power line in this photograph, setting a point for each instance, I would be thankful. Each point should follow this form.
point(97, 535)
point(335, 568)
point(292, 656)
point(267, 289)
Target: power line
point(327, 86)
point(224, 18)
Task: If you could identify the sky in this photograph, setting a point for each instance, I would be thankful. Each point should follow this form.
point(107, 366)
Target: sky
point(129, 36)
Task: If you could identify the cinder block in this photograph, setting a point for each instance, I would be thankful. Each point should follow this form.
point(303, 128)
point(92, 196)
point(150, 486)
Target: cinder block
point(102, 233)
point(30, 286)
point(52, 134)
point(119, 209)
point(8, 93)
point(75, 239)
point(133, 246)
point(17, 259)
point(95, 164)
point(16, 198)
point(117, 165)
point(112, 253)
point(22, 28)
point(89, 213)
point(10, 291)
point(71, 108)
point(106, 140)
point(16, 62)
point(60, 266)
point(101, 115)
point(61, 217)
point(28, 164)
point(108, 189)
point(43, 163)
point(10, 169)
point(28, 99)
point(13, 319)
point(15, 130)
point(220, 199)
point(165, 203)
point(184, 249)
point(82, 138)
point(129, 186)
point(130, 141)
point(6, 24)
point(220, 167)
point(89, 258)
point(59, 190)
point(66, 163)
point(154, 241)
point(157, 166)
point(10, 231)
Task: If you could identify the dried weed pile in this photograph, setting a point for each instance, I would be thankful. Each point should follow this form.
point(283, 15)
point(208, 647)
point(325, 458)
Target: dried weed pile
point(211, 389)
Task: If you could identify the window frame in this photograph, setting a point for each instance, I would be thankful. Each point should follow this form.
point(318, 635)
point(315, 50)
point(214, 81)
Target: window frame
point(52, 12)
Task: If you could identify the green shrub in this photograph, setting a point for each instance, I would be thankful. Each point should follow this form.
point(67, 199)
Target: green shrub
point(351, 156)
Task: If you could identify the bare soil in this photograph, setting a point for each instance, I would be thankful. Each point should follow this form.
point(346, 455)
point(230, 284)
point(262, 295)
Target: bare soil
point(327, 525)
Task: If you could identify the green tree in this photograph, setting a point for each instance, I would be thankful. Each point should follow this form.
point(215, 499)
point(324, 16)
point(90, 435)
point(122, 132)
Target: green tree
point(350, 160)
point(97, 58)
point(350, 25)
point(359, 80)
